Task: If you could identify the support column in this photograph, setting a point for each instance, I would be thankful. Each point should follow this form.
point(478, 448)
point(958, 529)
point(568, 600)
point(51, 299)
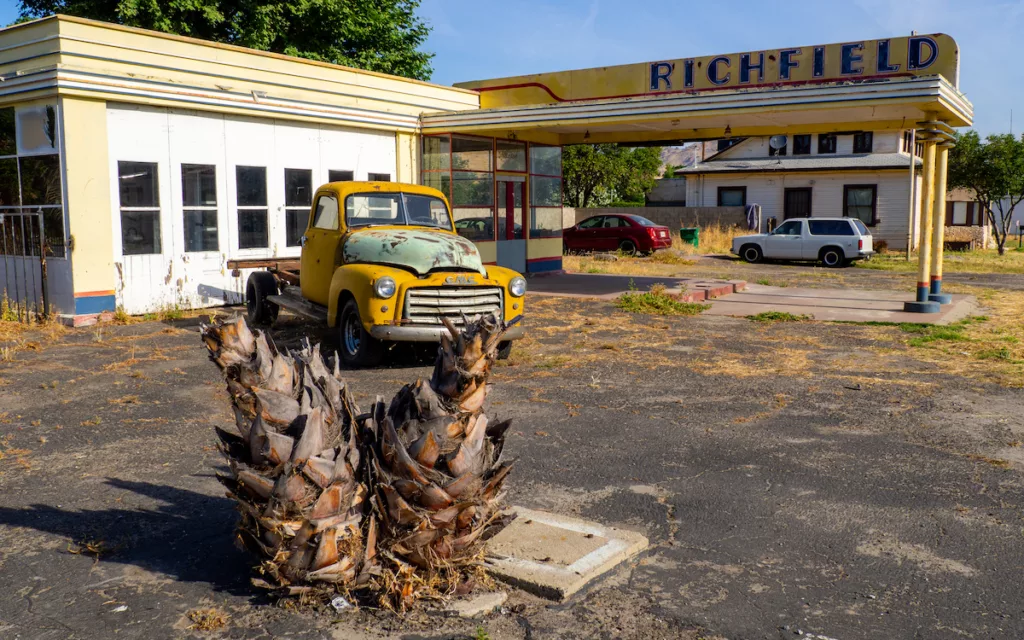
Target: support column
point(922, 304)
point(939, 225)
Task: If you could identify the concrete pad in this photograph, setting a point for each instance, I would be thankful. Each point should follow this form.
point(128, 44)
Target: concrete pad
point(554, 556)
point(843, 305)
point(609, 286)
point(479, 605)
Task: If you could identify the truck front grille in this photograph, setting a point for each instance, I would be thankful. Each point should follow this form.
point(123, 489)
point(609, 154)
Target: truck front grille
point(426, 305)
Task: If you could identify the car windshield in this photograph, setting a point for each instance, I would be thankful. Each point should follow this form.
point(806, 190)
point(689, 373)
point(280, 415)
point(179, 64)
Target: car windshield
point(370, 209)
point(642, 221)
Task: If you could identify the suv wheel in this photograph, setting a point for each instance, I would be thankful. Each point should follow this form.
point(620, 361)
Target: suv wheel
point(356, 347)
point(751, 253)
point(832, 257)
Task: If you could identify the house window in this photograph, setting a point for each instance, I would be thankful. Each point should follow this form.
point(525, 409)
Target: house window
point(335, 175)
point(298, 196)
point(861, 201)
point(796, 203)
point(378, 177)
point(140, 207)
point(199, 206)
point(732, 196)
point(802, 145)
point(827, 143)
point(963, 214)
point(862, 142)
point(251, 197)
point(776, 152)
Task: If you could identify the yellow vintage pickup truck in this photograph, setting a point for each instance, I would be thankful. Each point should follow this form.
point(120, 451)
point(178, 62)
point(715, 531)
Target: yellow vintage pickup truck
point(382, 263)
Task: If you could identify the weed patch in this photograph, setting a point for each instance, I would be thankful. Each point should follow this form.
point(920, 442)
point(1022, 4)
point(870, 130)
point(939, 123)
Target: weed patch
point(657, 302)
point(778, 316)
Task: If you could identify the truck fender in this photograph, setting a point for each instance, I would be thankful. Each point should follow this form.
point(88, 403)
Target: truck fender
point(345, 283)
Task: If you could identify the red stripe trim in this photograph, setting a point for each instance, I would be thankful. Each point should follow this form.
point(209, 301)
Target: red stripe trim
point(936, 278)
point(532, 260)
point(91, 294)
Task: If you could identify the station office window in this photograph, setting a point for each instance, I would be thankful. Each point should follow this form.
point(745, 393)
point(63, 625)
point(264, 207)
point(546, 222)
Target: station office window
point(298, 196)
point(334, 175)
point(862, 142)
point(861, 201)
point(251, 192)
point(732, 196)
point(802, 145)
point(139, 189)
point(199, 205)
point(545, 191)
point(827, 143)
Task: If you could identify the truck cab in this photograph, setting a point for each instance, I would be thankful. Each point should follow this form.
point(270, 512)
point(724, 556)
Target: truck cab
point(381, 262)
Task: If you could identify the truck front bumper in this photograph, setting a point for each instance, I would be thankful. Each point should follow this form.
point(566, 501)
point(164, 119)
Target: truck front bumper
point(427, 334)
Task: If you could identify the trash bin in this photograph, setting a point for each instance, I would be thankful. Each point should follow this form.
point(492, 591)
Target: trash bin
point(690, 235)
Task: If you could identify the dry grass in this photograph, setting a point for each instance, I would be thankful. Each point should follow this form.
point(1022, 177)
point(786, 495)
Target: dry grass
point(209, 619)
point(714, 238)
point(978, 261)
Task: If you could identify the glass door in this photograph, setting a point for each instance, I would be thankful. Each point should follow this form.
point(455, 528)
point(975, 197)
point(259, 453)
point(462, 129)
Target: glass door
point(511, 230)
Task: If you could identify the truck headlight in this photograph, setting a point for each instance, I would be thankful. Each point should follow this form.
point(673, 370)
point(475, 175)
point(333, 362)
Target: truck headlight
point(517, 286)
point(384, 287)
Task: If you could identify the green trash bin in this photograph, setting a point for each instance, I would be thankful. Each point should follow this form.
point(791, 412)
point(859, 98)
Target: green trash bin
point(690, 235)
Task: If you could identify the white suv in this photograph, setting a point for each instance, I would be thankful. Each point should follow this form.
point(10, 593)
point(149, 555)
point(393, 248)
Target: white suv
point(835, 242)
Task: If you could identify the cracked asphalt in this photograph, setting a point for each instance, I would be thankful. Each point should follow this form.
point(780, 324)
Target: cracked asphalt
point(795, 480)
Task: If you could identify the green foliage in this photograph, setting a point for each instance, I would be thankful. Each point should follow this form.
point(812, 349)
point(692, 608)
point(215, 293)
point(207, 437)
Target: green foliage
point(594, 175)
point(657, 302)
point(378, 35)
point(481, 634)
point(995, 171)
point(778, 316)
point(670, 171)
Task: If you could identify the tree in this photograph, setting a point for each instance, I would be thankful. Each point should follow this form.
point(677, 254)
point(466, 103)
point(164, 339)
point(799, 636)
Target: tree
point(377, 35)
point(995, 171)
point(596, 174)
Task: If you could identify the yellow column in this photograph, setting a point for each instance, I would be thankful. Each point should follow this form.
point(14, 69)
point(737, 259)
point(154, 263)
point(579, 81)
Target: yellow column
point(924, 243)
point(939, 224)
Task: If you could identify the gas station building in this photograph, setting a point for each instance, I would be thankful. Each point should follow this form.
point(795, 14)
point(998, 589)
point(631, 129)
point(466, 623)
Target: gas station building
point(138, 163)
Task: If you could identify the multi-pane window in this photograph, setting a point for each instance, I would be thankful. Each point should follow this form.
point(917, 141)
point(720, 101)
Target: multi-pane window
point(338, 175)
point(251, 196)
point(545, 191)
point(802, 145)
point(862, 142)
point(298, 196)
point(378, 177)
point(826, 143)
point(30, 182)
point(732, 196)
point(139, 189)
point(199, 206)
point(860, 201)
point(462, 168)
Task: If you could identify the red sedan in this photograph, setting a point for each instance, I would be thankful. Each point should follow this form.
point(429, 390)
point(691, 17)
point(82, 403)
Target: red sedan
point(625, 232)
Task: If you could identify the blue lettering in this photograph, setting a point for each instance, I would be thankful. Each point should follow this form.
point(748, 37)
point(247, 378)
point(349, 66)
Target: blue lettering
point(882, 59)
point(713, 71)
point(819, 62)
point(915, 61)
point(688, 74)
point(849, 57)
point(746, 68)
point(661, 71)
point(786, 62)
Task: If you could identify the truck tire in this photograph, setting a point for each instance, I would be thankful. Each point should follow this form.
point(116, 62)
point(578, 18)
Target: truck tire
point(259, 310)
point(832, 257)
point(751, 253)
point(504, 350)
point(356, 347)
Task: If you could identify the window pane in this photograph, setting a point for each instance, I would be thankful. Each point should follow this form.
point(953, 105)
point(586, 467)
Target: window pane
point(53, 228)
point(436, 153)
point(19, 234)
point(440, 181)
point(862, 142)
point(200, 230)
point(252, 229)
point(546, 160)
point(298, 189)
point(474, 224)
point(9, 182)
point(7, 144)
point(295, 222)
point(378, 177)
point(959, 213)
point(363, 209)
point(791, 228)
point(545, 192)
point(138, 184)
point(426, 211)
point(801, 145)
point(140, 232)
point(198, 185)
point(860, 196)
point(37, 129)
point(40, 180)
point(546, 222)
point(511, 155)
point(592, 223)
point(326, 213)
point(826, 143)
point(472, 189)
point(251, 186)
point(733, 197)
point(471, 154)
point(334, 175)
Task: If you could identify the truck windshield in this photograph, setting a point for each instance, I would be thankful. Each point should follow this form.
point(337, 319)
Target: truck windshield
point(369, 209)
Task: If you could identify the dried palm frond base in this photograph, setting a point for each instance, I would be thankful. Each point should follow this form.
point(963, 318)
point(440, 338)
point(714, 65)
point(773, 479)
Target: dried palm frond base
point(391, 505)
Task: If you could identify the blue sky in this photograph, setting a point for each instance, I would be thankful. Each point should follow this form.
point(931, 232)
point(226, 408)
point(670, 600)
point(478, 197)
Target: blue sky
point(476, 39)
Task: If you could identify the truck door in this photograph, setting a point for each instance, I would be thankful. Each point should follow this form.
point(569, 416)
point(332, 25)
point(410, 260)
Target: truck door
point(786, 242)
point(320, 249)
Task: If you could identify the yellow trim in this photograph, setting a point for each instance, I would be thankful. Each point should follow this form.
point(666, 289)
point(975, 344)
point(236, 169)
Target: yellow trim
point(543, 248)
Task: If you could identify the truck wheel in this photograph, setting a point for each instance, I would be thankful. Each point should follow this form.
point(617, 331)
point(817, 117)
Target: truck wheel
point(504, 350)
point(751, 253)
point(832, 257)
point(356, 347)
point(258, 309)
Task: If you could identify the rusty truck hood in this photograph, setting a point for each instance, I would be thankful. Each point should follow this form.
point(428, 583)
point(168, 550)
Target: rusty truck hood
point(417, 249)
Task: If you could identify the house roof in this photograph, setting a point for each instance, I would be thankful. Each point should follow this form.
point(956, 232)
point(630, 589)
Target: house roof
point(804, 163)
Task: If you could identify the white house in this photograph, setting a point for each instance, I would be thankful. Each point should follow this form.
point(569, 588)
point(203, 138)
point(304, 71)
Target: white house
point(861, 174)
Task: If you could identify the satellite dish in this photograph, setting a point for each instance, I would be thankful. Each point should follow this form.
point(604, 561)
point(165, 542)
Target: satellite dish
point(777, 142)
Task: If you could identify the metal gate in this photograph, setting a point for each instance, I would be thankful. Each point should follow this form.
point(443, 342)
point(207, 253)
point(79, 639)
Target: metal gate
point(24, 247)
